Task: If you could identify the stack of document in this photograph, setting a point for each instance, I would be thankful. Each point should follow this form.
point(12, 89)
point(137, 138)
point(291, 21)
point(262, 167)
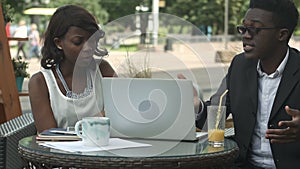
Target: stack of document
point(57, 134)
point(78, 146)
point(61, 139)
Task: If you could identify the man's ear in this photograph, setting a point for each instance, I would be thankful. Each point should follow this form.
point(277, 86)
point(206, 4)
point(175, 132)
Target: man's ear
point(283, 34)
point(57, 42)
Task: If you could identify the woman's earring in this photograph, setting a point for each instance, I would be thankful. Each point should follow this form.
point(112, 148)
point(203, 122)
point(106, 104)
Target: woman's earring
point(59, 47)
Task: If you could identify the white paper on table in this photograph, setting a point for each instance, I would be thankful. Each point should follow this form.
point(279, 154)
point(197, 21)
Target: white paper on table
point(78, 146)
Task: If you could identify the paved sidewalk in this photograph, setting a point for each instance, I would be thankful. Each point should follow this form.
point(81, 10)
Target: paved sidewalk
point(182, 59)
point(196, 61)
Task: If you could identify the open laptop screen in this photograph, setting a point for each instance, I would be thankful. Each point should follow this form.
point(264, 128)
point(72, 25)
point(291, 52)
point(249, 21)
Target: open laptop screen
point(150, 108)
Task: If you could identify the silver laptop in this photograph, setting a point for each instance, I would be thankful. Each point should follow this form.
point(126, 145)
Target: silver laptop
point(150, 108)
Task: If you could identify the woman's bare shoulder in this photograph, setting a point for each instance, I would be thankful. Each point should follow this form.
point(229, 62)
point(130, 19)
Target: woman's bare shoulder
point(106, 69)
point(37, 77)
point(37, 81)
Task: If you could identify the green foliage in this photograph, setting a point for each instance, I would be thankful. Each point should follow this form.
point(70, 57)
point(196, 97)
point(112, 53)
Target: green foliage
point(126, 48)
point(20, 68)
point(16, 8)
point(121, 8)
point(95, 7)
point(199, 12)
point(209, 13)
point(8, 11)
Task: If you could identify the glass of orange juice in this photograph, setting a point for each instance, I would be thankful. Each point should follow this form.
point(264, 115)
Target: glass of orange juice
point(216, 125)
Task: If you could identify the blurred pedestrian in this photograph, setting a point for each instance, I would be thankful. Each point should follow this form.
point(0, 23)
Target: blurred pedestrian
point(34, 39)
point(7, 29)
point(21, 32)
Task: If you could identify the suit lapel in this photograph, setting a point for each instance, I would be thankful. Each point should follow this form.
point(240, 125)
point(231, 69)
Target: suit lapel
point(252, 86)
point(288, 81)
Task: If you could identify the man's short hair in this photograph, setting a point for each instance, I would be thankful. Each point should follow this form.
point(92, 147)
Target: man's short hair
point(285, 12)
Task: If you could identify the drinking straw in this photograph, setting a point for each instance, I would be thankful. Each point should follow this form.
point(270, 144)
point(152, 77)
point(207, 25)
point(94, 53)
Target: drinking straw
point(219, 108)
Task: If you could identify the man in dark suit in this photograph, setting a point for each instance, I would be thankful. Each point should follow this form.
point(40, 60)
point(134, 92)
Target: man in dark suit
point(263, 86)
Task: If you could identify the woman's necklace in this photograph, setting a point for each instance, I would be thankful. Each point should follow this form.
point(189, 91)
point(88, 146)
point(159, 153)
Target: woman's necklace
point(71, 94)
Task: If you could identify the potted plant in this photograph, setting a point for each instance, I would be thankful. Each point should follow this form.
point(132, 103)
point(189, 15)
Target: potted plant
point(143, 71)
point(20, 70)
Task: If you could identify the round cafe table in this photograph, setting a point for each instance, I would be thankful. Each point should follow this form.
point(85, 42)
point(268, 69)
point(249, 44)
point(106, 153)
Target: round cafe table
point(182, 155)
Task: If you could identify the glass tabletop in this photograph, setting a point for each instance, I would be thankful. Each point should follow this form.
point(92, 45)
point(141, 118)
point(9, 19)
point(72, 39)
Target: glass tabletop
point(159, 148)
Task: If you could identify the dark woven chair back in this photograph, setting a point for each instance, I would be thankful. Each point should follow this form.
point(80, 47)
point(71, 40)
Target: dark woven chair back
point(10, 134)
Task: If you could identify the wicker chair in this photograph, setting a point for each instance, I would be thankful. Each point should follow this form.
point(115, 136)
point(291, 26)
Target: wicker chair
point(10, 134)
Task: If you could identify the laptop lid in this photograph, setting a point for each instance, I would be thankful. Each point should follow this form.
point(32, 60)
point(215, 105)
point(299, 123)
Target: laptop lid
point(150, 108)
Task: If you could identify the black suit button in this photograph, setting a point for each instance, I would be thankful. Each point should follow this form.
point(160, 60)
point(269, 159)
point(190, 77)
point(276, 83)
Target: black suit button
point(271, 126)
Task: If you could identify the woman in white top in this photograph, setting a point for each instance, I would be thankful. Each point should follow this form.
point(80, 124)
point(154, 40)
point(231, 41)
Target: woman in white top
point(69, 85)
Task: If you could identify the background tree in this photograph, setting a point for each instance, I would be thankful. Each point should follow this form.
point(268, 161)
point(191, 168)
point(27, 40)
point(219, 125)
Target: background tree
point(201, 13)
point(297, 31)
point(121, 8)
point(15, 11)
point(93, 6)
point(205, 13)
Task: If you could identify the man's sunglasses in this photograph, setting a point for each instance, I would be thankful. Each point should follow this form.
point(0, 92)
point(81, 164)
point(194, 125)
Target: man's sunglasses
point(251, 30)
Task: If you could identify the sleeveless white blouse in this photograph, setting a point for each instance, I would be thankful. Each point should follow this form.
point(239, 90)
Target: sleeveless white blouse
point(67, 111)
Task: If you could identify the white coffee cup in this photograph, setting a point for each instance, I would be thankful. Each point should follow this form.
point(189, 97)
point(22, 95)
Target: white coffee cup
point(95, 130)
